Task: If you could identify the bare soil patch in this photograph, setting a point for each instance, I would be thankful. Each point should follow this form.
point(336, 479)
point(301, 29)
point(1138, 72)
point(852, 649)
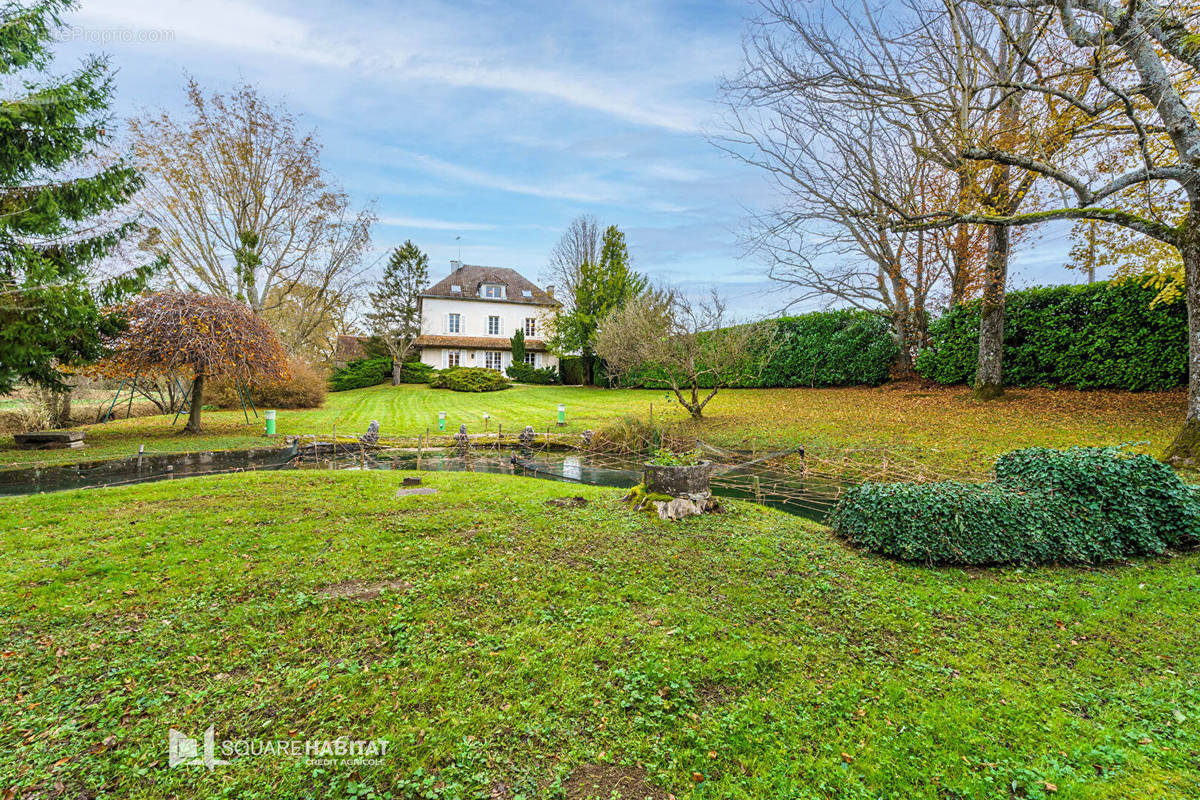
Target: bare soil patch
point(567, 502)
point(604, 781)
point(363, 590)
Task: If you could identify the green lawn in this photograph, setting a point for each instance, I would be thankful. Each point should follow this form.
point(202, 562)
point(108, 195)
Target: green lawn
point(526, 651)
point(941, 428)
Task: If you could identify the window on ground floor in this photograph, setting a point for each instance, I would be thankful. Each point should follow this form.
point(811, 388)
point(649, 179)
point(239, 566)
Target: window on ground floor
point(531, 359)
point(492, 359)
point(453, 358)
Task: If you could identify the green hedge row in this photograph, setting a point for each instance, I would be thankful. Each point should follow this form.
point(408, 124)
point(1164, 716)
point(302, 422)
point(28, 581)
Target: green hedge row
point(374, 371)
point(1081, 505)
point(1103, 335)
point(523, 373)
point(469, 379)
point(358, 374)
point(823, 348)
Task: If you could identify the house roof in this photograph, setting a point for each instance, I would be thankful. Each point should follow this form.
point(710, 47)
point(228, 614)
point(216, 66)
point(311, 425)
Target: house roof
point(470, 277)
point(477, 342)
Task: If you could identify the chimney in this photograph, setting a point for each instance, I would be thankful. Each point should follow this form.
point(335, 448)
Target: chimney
point(455, 266)
point(550, 291)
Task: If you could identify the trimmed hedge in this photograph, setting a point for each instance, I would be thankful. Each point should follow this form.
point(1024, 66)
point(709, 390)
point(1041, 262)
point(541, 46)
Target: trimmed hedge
point(358, 374)
point(831, 348)
point(416, 372)
point(469, 379)
point(523, 373)
point(1098, 336)
point(824, 348)
point(1081, 505)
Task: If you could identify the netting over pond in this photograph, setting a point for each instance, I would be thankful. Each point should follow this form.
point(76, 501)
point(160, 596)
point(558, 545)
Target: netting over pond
point(798, 479)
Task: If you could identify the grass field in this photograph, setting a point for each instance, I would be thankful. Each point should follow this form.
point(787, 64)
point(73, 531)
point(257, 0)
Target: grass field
point(526, 651)
point(943, 428)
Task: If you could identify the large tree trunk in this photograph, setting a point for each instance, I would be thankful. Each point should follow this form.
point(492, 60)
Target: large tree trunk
point(1185, 450)
point(58, 407)
point(193, 423)
point(988, 381)
point(903, 367)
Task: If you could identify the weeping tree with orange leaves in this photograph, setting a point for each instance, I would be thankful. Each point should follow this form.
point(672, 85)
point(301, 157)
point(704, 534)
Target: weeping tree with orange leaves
point(194, 336)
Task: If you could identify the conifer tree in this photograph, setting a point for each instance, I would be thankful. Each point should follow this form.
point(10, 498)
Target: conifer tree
point(59, 220)
point(602, 287)
point(396, 316)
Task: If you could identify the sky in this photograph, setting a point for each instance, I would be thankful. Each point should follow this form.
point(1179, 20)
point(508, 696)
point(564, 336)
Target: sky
point(483, 128)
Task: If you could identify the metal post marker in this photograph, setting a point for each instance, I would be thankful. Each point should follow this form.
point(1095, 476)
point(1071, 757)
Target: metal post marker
point(269, 416)
point(562, 414)
point(441, 420)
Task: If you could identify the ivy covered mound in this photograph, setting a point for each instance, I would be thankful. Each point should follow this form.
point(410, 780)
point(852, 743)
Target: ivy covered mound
point(1083, 505)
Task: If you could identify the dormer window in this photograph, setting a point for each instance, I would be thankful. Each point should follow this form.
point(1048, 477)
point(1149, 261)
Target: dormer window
point(492, 291)
point(526, 293)
point(454, 287)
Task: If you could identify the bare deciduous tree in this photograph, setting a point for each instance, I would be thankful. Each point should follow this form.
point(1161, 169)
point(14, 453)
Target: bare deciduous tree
point(236, 198)
point(579, 245)
point(831, 238)
point(1128, 72)
point(912, 67)
point(694, 344)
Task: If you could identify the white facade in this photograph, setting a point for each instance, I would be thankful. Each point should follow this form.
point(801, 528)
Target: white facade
point(483, 328)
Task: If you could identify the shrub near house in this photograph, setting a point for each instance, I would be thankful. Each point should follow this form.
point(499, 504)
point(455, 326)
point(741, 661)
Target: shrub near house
point(469, 379)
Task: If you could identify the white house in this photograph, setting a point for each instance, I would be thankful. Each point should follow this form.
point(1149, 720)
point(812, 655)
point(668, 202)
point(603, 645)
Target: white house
point(468, 318)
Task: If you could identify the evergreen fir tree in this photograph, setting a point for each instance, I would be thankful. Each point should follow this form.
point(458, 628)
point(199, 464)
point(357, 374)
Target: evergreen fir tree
point(55, 225)
point(602, 287)
point(395, 317)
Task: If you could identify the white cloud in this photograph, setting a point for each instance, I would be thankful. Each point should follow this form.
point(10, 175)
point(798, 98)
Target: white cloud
point(428, 50)
point(590, 94)
point(435, 224)
point(225, 23)
point(579, 188)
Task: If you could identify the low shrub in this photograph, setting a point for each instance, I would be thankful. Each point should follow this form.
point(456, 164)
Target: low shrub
point(636, 435)
point(416, 372)
point(305, 387)
point(362, 373)
point(1081, 505)
point(523, 373)
point(469, 379)
point(1143, 499)
point(663, 457)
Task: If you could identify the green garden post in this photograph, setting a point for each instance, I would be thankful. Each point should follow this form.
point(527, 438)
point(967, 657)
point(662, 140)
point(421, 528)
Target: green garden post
point(441, 420)
point(562, 414)
point(269, 416)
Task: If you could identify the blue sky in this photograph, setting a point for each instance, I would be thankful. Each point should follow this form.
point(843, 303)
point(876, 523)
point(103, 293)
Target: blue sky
point(494, 121)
